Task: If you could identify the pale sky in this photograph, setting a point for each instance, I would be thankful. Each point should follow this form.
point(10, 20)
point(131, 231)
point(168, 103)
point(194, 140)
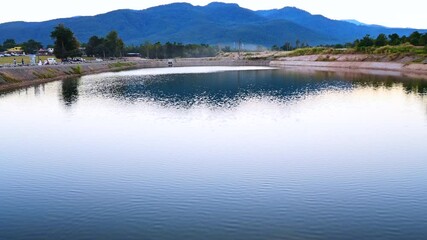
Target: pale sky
point(392, 13)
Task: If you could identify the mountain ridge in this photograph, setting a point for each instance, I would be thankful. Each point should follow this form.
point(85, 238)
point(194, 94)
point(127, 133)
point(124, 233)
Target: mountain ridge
point(215, 23)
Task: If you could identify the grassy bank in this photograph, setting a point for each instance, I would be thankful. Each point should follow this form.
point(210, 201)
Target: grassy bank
point(405, 52)
point(9, 60)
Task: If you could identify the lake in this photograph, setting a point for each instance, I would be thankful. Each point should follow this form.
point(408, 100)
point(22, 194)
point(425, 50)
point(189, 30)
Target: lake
point(215, 153)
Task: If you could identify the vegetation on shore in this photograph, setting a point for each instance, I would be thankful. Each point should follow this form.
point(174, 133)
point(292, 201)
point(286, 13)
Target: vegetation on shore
point(112, 46)
point(415, 44)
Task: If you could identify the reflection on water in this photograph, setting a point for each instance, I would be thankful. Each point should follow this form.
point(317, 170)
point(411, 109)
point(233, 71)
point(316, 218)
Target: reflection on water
point(70, 91)
point(225, 88)
point(215, 153)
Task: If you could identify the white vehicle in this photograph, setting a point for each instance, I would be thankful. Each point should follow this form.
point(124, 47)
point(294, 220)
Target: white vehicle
point(51, 61)
point(7, 55)
point(1, 55)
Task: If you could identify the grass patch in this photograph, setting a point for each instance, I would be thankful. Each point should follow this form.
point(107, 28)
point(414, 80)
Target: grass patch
point(77, 70)
point(49, 73)
point(402, 49)
point(9, 60)
point(7, 78)
point(318, 51)
point(326, 58)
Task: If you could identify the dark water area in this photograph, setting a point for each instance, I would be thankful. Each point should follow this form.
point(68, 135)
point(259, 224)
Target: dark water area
point(215, 153)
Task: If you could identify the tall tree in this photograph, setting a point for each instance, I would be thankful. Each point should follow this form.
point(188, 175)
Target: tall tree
point(414, 38)
point(394, 39)
point(366, 41)
point(96, 47)
point(9, 43)
point(423, 40)
point(66, 44)
point(114, 44)
point(381, 40)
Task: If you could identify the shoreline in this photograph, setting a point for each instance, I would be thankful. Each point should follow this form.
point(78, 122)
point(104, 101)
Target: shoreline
point(19, 77)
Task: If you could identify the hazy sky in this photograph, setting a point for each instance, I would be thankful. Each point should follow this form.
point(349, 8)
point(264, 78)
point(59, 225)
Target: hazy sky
point(409, 13)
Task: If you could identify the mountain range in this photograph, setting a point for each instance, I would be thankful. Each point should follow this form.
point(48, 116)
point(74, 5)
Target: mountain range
point(215, 23)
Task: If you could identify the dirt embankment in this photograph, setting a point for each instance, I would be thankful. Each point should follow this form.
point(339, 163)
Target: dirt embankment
point(353, 61)
point(17, 77)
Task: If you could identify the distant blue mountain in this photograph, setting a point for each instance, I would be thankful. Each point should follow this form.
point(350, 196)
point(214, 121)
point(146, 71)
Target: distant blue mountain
point(216, 23)
point(355, 22)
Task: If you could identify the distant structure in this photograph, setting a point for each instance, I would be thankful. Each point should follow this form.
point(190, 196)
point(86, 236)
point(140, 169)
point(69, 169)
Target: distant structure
point(170, 63)
point(16, 51)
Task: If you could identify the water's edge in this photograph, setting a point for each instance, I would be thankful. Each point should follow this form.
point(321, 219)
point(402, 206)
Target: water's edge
point(15, 78)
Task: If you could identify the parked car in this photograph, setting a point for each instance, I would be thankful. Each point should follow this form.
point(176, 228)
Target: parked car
point(51, 61)
point(7, 55)
point(1, 55)
point(79, 59)
point(66, 60)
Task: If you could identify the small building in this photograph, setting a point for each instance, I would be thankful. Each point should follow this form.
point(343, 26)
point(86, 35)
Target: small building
point(43, 52)
point(16, 51)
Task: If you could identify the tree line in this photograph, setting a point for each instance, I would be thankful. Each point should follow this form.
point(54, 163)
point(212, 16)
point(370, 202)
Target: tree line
point(415, 39)
point(66, 45)
point(288, 46)
point(173, 50)
point(30, 47)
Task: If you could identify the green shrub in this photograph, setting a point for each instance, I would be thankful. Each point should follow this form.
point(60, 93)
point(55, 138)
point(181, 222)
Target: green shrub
point(77, 70)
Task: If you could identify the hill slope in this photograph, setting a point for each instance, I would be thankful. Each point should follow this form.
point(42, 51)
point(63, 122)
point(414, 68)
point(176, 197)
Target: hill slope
point(216, 23)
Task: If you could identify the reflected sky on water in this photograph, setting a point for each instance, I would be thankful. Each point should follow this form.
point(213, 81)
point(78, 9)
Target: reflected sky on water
point(215, 153)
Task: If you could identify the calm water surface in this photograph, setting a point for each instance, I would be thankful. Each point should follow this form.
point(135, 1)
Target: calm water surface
point(215, 153)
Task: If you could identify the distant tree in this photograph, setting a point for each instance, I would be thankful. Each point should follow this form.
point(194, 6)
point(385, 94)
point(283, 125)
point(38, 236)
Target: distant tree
point(394, 39)
point(66, 44)
point(120, 47)
point(275, 48)
point(423, 40)
point(381, 40)
point(304, 45)
point(349, 45)
point(9, 43)
point(31, 46)
point(366, 41)
point(297, 43)
point(226, 49)
point(414, 38)
point(173, 50)
point(157, 48)
point(1, 48)
point(96, 47)
point(113, 44)
point(404, 39)
point(146, 48)
point(287, 47)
